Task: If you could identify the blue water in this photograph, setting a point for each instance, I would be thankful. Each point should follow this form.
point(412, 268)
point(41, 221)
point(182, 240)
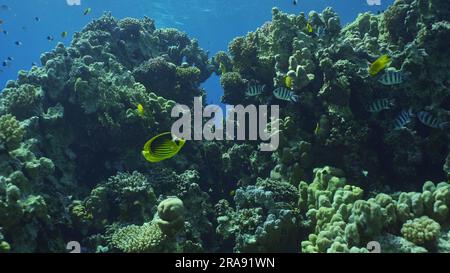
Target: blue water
point(213, 22)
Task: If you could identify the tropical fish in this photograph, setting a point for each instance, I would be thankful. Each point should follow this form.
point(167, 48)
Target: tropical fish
point(378, 65)
point(431, 121)
point(223, 68)
point(381, 104)
point(285, 94)
point(309, 27)
point(288, 82)
point(317, 130)
point(140, 109)
point(5, 32)
point(5, 63)
point(1, 21)
point(10, 59)
point(64, 34)
point(87, 11)
point(403, 119)
point(50, 38)
point(162, 147)
point(255, 90)
point(18, 43)
point(37, 19)
point(295, 2)
point(365, 173)
point(391, 77)
point(4, 7)
point(33, 64)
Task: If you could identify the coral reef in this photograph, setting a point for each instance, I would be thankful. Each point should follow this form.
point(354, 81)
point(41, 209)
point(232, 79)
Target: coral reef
point(72, 131)
point(170, 216)
point(340, 220)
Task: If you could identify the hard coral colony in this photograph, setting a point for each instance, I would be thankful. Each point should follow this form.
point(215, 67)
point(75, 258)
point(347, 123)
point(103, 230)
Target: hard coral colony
point(357, 155)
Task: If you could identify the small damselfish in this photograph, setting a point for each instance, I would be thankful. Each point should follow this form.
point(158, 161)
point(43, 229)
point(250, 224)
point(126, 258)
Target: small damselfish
point(283, 93)
point(391, 77)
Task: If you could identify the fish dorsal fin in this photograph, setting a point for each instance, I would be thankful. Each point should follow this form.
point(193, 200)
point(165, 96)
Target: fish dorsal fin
point(161, 147)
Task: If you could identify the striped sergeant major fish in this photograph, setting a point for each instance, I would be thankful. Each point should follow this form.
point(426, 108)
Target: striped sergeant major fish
point(255, 90)
point(403, 119)
point(431, 121)
point(392, 77)
point(283, 93)
point(381, 104)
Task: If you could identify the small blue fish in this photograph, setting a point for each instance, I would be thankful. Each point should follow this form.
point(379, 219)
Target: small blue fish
point(392, 77)
point(431, 121)
point(381, 104)
point(403, 119)
point(18, 43)
point(255, 90)
point(283, 93)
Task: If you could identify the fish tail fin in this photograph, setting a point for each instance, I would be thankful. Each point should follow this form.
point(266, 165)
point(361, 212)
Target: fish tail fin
point(294, 98)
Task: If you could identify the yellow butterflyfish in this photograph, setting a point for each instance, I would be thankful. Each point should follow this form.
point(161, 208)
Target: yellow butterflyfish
point(223, 68)
point(162, 147)
point(288, 82)
point(379, 64)
point(140, 109)
point(309, 27)
point(64, 34)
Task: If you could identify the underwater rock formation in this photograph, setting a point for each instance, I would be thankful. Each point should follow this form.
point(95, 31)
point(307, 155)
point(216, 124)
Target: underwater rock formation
point(327, 69)
point(72, 132)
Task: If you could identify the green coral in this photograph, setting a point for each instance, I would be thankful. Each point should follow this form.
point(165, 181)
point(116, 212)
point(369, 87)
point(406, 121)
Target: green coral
point(126, 197)
point(340, 220)
point(421, 231)
point(22, 101)
point(234, 87)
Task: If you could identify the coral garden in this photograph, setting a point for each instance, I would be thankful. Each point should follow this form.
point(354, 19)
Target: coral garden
point(71, 137)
